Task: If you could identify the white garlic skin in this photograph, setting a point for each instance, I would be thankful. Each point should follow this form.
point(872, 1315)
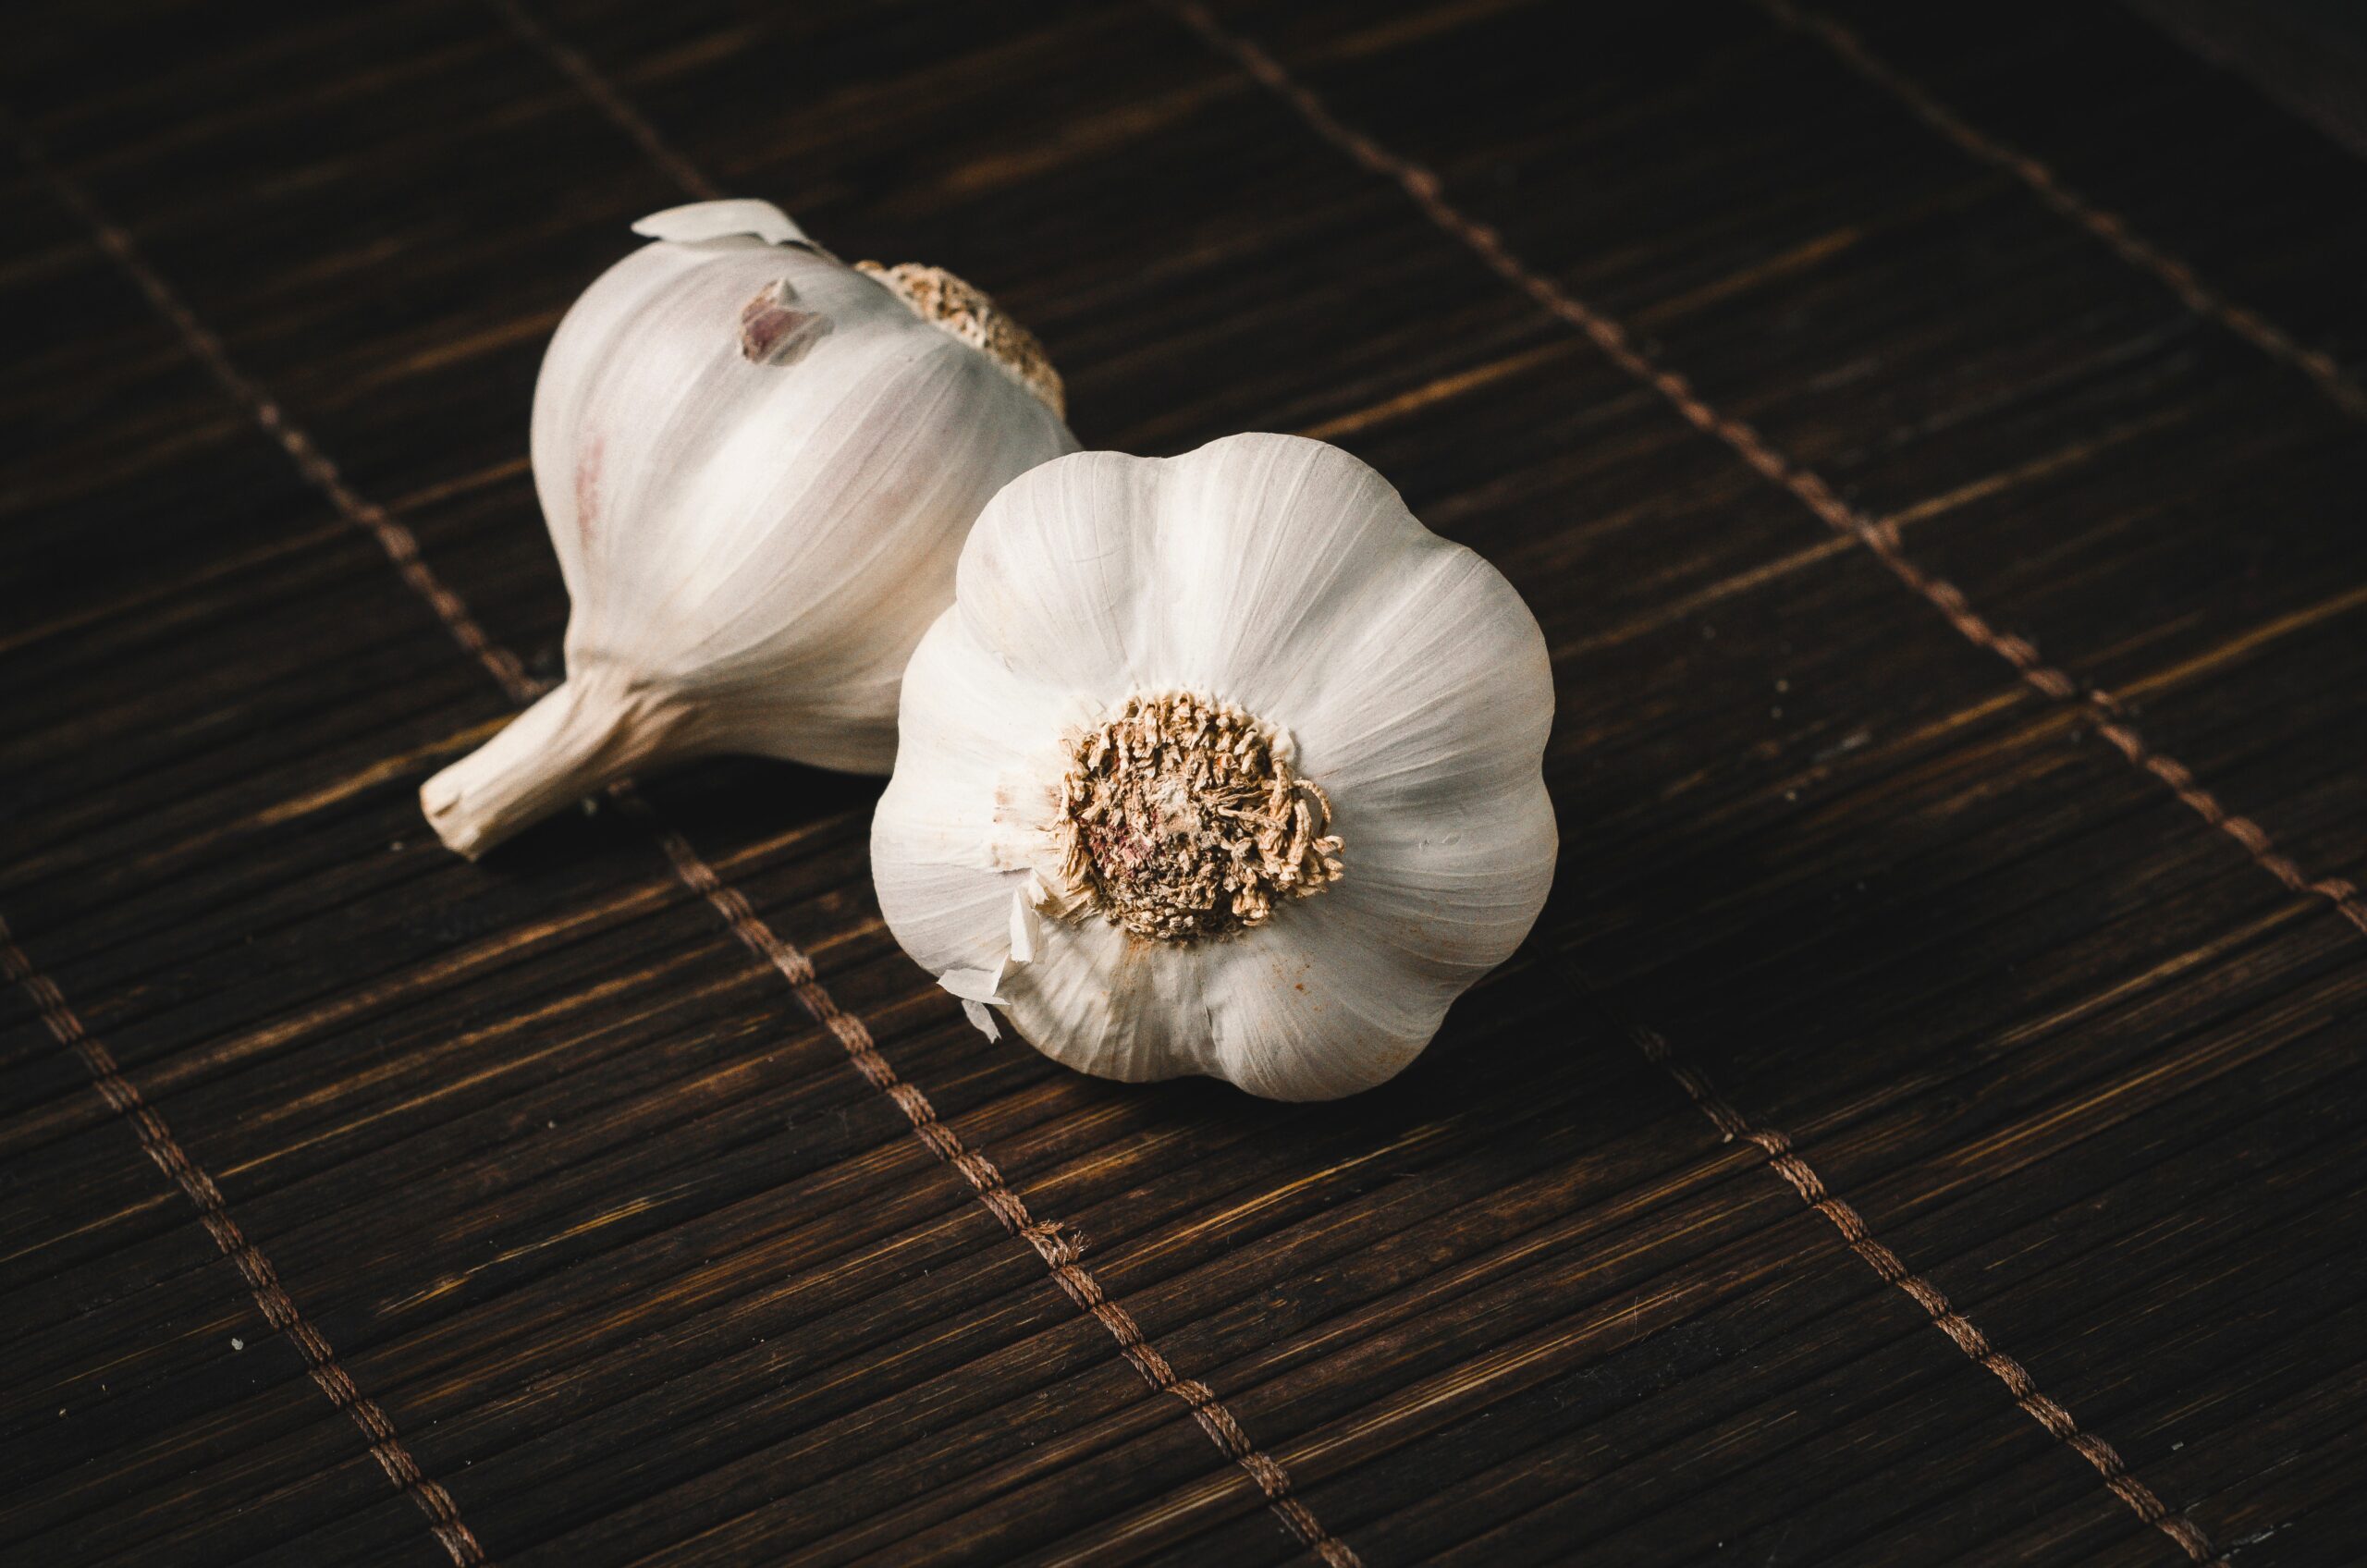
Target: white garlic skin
point(1404, 673)
point(757, 465)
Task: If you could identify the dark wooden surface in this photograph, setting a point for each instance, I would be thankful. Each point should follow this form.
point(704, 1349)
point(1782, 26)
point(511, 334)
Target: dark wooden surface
point(607, 1238)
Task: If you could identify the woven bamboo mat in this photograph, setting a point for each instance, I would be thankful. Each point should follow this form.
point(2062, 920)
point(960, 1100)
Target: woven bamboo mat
point(1925, 1128)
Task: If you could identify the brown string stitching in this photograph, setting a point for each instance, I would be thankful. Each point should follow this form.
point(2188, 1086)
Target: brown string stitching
point(2101, 222)
point(1796, 1173)
point(1880, 536)
point(1053, 1241)
point(279, 1309)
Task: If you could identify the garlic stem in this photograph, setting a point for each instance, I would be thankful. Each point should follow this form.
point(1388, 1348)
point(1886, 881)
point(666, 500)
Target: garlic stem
point(586, 734)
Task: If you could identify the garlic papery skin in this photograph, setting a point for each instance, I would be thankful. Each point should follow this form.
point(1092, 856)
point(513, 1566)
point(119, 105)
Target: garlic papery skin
point(757, 465)
point(1220, 764)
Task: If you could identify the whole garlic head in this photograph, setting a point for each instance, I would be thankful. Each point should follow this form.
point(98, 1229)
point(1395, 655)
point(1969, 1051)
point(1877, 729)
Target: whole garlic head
point(757, 464)
point(1220, 764)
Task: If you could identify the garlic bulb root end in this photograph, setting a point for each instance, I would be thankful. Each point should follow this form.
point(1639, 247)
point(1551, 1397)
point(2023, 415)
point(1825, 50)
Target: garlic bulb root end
point(969, 314)
point(586, 734)
point(1181, 819)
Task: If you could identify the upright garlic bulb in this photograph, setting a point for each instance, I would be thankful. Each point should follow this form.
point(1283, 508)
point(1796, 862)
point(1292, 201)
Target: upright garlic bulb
point(757, 464)
point(1221, 764)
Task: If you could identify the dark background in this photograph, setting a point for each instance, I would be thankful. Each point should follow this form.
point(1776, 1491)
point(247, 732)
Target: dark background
point(1925, 1128)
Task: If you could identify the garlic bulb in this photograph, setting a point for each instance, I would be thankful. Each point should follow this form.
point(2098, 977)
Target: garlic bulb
point(757, 464)
point(1221, 764)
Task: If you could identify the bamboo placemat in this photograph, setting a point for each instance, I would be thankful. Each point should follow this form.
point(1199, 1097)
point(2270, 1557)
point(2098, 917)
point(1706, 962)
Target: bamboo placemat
point(1923, 1129)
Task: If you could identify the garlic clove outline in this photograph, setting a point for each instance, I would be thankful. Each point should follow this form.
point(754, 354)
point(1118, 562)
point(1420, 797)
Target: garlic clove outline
point(756, 464)
point(1396, 673)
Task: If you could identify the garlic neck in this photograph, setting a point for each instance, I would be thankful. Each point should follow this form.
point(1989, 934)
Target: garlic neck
point(596, 727)
point(1181, 820)
point(954, 307)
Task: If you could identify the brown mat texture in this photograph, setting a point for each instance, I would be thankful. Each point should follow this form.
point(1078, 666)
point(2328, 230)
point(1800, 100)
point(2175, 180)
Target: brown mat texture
point(1924, 1128)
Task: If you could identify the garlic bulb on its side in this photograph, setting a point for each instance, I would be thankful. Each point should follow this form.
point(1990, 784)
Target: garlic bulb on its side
point(1221, 764)
point(757, 464)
